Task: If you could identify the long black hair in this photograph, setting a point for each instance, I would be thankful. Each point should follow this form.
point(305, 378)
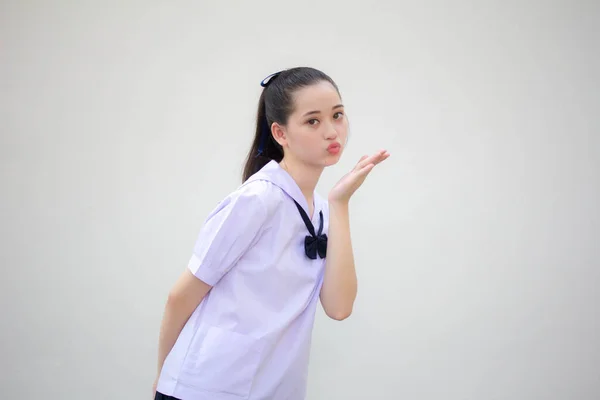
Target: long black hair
point(276, 105)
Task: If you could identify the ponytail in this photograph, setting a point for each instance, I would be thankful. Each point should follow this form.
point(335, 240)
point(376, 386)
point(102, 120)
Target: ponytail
point(264, 148)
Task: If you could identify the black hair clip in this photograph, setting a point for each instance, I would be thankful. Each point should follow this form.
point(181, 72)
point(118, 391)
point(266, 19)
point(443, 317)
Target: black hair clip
point(265, 82)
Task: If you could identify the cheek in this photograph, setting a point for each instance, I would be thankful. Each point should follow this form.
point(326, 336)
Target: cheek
point(302, 137)
point(343, 130)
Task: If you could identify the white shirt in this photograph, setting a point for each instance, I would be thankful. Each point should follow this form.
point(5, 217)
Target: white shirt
point(250, 336)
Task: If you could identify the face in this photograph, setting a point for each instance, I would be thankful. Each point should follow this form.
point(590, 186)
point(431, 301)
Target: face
point(316, 131)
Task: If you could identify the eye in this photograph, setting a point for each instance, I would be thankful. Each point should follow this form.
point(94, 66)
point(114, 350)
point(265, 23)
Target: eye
point(313, 121)
point(338, 115)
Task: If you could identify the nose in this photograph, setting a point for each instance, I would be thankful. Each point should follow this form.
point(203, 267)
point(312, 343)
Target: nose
point(331, 132)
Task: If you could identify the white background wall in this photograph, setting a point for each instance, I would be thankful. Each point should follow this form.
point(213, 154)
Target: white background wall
point(123, 123)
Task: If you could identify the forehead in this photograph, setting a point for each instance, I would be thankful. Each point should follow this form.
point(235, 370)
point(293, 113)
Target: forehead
point(317, 97)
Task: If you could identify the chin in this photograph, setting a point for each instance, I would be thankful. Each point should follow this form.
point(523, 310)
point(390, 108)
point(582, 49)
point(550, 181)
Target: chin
point(332, 159)
point(323, 162)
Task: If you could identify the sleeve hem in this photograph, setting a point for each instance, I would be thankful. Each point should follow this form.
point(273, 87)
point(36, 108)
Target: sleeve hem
point(204, 274)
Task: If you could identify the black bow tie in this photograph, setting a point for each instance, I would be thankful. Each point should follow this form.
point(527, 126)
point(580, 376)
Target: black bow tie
point(314, 243)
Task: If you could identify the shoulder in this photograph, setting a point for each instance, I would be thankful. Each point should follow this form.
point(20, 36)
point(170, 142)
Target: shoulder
point(257, 196)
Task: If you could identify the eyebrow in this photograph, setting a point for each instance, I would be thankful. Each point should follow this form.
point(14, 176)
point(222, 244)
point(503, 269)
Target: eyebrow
point(318, 112)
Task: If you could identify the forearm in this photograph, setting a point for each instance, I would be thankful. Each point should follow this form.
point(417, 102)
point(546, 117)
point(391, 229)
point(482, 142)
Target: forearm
point(339, 284)
point(183, 299)
point(176, 314)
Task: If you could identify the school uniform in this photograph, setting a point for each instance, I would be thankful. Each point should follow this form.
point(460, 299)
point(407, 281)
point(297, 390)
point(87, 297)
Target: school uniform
point(250, 336)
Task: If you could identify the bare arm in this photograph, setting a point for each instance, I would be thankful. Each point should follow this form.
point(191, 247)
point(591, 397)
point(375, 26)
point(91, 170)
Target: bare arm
point(184, 297)
point(339, 283)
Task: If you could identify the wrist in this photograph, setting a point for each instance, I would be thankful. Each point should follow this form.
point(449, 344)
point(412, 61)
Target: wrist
point(338, 203)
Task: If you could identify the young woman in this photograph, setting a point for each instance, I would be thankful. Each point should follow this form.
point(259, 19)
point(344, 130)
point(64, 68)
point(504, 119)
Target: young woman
point(238, 322)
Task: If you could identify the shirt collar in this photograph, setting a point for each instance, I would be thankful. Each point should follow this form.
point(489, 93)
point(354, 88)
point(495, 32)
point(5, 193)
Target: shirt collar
point(274, 173)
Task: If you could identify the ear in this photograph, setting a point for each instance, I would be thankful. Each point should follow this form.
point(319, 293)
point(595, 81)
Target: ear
point(279, 134)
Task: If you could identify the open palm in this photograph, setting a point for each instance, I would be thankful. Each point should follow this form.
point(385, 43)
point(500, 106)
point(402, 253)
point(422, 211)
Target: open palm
point(350, 182)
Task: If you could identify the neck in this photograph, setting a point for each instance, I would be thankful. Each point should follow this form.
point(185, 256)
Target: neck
point(305, 176)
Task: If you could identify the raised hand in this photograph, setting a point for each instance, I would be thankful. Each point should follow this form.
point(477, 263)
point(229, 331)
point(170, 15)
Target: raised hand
point(350, 182)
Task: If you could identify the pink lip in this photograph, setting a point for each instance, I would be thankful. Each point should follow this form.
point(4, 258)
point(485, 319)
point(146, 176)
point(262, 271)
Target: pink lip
point(334, 148)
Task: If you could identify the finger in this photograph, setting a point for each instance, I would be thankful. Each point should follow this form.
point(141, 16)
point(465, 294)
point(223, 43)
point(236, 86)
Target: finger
point(382, 153)
point(381, 157)
point(371, 163)
point(359, 163)
point(364, 171)
point(366, 161)
point(373, 159)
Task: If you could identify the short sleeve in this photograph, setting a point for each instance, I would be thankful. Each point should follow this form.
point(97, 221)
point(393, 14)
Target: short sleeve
point(227, 234)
